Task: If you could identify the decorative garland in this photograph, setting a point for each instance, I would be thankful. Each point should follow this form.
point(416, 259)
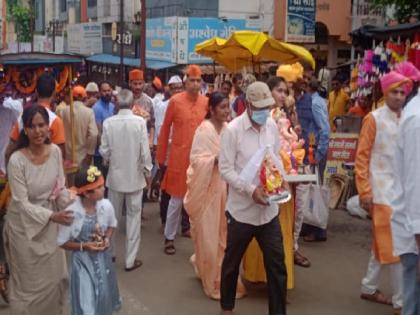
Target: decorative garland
point(23, 83)
point(5, 77)
point(26, 84)
point(64, 75)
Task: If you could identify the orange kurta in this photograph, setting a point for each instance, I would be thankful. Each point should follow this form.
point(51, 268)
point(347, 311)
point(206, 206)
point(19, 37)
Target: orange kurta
point(366, 179)
point(184, 114)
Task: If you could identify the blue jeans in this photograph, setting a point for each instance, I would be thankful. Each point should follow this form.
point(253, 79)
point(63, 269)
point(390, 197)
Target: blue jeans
point(411, 284)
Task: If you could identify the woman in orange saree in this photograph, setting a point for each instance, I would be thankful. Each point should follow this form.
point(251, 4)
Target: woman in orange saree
point(206, 198)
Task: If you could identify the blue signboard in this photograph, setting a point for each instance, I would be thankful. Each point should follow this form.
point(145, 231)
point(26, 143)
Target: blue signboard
point(173, 39)
point(161, 35)
point(201, 29)
point(301, 18)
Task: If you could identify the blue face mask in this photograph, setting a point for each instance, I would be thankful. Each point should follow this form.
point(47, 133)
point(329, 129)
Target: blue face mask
point(260, 117)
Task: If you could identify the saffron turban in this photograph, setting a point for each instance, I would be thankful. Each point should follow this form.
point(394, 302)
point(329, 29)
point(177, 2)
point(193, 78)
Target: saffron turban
point(136, 74)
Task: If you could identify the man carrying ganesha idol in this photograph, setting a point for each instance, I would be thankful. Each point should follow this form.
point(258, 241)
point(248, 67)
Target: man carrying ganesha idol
point(246, 161)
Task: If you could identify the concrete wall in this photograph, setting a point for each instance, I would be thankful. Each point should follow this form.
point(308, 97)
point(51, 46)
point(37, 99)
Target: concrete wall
point(247, 8)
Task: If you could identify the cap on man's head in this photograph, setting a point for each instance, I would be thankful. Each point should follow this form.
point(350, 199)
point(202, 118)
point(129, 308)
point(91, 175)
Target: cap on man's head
point(193, 71)
point(174, 80)
point(259, 95)
point(136, 74)
point(92, 87)
point(157, 83)
point(79, 91)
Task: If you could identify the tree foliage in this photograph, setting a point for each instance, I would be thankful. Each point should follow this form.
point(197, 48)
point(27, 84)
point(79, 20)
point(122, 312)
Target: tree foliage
point(404, 8)
point(21, 17)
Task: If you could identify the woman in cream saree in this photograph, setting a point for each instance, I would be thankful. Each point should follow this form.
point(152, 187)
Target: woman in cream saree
point(206, 198)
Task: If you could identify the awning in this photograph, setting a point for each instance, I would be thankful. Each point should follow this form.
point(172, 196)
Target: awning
point(38, 59)
point(130, 62)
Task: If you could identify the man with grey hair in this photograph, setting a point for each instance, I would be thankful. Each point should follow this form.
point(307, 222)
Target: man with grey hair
point(125, 146)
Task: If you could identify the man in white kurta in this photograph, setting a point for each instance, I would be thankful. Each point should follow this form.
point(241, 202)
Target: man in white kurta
point(374, 180)
point(125, 146)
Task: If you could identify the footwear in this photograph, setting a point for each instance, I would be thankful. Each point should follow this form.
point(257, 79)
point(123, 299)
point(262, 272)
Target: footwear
point(169, 247)
point(137, 264)
point(377, 297)
point(312, 238)
point(301, 260)
point(187, 233)
point(397, 311)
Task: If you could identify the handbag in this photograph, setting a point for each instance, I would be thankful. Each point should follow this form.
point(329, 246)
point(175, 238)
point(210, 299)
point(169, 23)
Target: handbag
point(312, 200)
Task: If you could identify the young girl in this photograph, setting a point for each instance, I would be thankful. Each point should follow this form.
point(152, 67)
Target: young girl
point(94, 288)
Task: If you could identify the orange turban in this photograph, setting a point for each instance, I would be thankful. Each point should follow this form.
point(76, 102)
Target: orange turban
point(135, 74)
point(393, 80)
point(193, 71)
point(79, 91)
point(157, 83)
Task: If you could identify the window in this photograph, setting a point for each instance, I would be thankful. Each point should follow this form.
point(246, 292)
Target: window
point(92, 3)
point(63, 5)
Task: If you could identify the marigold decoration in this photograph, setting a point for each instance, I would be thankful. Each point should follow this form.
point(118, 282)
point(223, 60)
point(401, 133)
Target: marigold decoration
point(63, 77)
point(5, 77)
point(25, 81)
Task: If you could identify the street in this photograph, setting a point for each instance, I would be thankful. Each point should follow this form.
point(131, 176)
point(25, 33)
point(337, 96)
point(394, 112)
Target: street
point(166, 285)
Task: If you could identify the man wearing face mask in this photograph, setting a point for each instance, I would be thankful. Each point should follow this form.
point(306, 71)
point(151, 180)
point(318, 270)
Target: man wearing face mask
point(248, 212)
point(103, 109)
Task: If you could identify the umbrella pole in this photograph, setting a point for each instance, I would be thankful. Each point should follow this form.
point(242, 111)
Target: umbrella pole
point(214, 70)
point(253, 64)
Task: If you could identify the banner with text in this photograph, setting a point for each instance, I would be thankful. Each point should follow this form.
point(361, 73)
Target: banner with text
point(300, 21)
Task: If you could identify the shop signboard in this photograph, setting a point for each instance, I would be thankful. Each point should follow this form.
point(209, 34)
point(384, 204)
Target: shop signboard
point(161, 35)
point(300, 21)
point(341, 150)
point(192, 31)
point(84, 38)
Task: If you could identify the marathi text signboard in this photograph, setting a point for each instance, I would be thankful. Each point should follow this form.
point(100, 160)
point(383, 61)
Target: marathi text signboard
point(161, 37)
point(300, 21)
point(192, 31)
point(341, 149)
point(84, 38)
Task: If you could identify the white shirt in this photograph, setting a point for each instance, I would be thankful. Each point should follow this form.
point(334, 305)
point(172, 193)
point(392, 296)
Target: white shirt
point(406, 199)
point(239, 142)
point(160, 111)
point(125, 145)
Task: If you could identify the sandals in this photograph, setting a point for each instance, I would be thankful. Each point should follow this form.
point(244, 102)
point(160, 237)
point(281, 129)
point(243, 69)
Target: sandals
point(169, 247)
point(137, 264)
point(312, 238)
point(301, 260)
point(377, 297)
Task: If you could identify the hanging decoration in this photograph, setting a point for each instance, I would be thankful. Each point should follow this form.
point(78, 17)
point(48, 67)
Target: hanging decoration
point(5, 77)
point(25, 80)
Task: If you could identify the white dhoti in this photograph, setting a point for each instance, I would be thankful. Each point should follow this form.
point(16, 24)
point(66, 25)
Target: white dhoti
point(173, 217)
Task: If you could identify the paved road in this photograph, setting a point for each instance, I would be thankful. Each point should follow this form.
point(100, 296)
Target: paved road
point(166, 285)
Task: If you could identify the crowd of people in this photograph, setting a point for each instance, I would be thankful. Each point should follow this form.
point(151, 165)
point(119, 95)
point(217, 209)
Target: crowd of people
point(74, 173)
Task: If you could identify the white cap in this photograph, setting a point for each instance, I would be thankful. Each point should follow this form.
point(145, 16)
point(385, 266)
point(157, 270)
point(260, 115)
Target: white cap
point(92, 87)
point(174, 79)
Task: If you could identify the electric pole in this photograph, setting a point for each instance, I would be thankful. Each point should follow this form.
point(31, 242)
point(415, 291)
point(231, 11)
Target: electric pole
point(143, 35)
point(122, 76)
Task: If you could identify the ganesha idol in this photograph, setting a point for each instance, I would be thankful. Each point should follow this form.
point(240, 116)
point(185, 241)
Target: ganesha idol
point(292, 151)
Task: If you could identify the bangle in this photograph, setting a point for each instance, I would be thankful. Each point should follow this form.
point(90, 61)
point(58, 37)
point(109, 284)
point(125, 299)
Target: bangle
point(81, 246)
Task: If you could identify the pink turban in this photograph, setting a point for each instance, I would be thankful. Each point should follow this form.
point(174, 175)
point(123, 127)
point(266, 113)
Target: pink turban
point(393, 80)
point(408, 70)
